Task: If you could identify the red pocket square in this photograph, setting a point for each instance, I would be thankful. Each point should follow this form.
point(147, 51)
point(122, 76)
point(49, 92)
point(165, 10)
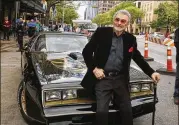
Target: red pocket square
point(131, 49)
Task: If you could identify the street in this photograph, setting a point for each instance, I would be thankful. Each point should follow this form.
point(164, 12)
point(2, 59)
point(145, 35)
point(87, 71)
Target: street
point(156, 51)
point(166, 111)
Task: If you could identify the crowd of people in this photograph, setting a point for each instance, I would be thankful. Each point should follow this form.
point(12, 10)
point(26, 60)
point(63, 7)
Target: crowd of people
point(65, 28)
point(10, 28)
point(19, 28)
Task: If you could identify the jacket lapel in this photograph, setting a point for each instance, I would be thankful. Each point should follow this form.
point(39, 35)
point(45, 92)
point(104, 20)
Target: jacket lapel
point(109, 42)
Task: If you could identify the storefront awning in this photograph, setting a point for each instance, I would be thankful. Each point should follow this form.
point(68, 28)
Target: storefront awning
point(31, 6)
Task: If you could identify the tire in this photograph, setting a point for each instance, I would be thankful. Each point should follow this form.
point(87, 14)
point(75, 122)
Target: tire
point(21, 95)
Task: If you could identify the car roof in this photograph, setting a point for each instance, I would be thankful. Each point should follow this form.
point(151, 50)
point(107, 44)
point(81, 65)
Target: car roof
point(60, 33)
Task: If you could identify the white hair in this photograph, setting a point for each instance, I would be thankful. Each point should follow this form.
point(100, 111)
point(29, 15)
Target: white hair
point(125, 12)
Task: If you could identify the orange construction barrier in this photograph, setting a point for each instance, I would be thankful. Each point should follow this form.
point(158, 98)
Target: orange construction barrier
point(168, 42)
point(146, 52)
point(169, 70)
point(146, 36)
point(169, 59)
point(146, 45)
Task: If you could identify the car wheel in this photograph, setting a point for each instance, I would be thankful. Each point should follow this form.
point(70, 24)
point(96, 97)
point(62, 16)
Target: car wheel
point(22, 101)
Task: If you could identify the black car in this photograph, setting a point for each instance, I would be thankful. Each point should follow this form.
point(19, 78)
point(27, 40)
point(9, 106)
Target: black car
point(50, 91)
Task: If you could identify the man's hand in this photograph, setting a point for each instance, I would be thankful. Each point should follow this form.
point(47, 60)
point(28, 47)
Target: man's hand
point(99, 73)
point(156, 77)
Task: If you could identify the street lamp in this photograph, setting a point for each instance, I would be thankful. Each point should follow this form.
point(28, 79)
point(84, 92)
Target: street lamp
point(63, 16)
point(63, 13)
point(167, 31)
point(140, 24)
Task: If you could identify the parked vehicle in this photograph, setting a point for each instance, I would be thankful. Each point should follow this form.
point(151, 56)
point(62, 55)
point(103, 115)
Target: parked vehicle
point(157, 35)
point(85, 26)
point(45, 28)
point(50, 91)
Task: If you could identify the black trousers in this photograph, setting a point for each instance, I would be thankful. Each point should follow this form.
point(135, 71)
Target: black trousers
point(118, 87)
point(20, 42)
point(6, 34)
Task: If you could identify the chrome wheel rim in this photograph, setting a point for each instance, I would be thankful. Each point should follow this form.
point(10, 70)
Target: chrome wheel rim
point(23, 102)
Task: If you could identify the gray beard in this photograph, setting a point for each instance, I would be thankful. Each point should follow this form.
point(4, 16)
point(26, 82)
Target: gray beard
point(119, 29)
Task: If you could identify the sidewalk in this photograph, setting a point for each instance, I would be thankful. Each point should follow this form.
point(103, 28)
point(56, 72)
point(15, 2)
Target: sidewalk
point(10, 46)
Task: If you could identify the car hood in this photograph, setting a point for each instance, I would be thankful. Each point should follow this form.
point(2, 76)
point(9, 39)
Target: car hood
point(69, 67)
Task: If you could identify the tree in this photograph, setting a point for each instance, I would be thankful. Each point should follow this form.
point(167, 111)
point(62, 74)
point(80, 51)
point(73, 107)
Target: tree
point(69, 14)
point(102, 19)
point(166, 12)
point(135, 14)
point(129, 6)
point(61, 3)
point(98, 19)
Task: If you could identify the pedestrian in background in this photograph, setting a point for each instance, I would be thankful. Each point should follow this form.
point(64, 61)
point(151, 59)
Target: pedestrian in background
point(20, 33)
point(108, 55)
point(37, 26)
point(14, 27)
point(31, 28)
point(6, 28)
point(56, 27)
point(176, 88)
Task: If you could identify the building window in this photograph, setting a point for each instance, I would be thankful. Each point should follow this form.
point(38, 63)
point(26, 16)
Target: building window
point(139, 4)
point(146, 18)
point(151, 7)
point(151, 17)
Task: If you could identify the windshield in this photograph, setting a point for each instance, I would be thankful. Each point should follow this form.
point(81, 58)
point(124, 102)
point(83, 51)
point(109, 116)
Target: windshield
point(60, 43)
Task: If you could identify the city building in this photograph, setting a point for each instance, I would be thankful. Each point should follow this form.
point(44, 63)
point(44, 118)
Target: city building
point(104, 6)
point(85, 14)
point(148, 7)
point(91, 10)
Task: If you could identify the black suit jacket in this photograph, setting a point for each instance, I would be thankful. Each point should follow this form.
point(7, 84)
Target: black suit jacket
point(96, 53)
point(176, 42)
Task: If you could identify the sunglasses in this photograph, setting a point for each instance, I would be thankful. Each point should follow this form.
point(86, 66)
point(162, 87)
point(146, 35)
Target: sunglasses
point(123, 21)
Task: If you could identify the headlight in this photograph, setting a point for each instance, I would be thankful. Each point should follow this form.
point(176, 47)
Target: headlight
point(69, 94)
point(135, 88)
point(145, 87)
point(53, 95)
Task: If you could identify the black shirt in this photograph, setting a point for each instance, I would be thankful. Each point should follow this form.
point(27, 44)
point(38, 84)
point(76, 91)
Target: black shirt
point(115, 59)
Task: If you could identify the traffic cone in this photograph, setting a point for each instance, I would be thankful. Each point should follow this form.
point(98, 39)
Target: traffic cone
point(146, 57)
point(169, 70)
point(146, 50)
point(169, 59)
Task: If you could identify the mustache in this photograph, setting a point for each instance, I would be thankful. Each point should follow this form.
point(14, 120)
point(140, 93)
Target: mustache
point(119, 28)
